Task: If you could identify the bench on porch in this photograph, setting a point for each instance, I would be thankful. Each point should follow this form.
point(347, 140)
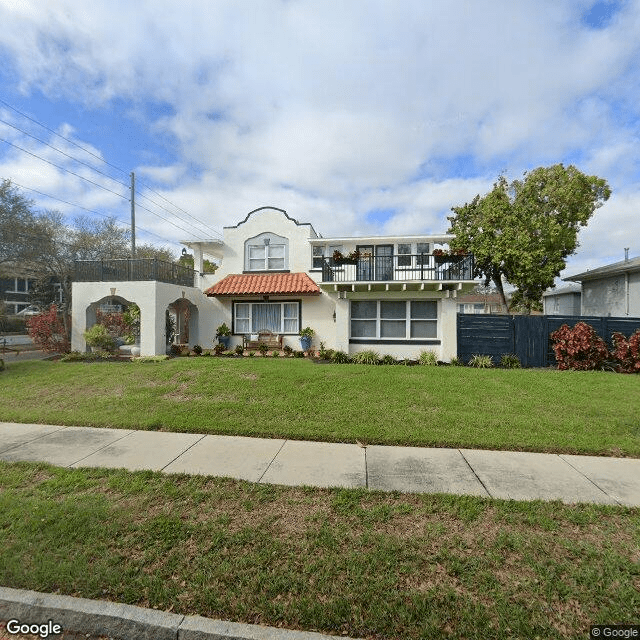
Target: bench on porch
point(251, 342)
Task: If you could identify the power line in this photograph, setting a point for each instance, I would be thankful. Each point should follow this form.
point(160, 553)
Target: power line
point(203, 224)
point(64, 153)
point(103, 215)
point(55, 133)
point(97, 185)
point(53, 164)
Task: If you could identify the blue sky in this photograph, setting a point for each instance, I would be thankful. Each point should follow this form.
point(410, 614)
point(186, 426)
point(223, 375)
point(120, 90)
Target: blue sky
point(365, 117)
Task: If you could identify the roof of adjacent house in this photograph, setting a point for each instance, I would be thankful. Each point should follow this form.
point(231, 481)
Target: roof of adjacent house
point(624, 266)
point(250, 284)
point(564, 290)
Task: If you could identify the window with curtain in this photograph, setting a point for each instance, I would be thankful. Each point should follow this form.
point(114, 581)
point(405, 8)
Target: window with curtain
point(278, 317)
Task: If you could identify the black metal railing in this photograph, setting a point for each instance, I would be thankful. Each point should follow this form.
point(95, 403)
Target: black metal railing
point(127, 270)
point(404, 267)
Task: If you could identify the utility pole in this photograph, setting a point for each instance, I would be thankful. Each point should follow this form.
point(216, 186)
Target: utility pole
point(133, 215)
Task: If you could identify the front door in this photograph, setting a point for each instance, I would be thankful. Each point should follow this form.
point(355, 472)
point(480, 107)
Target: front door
point(384, 262)
point(364, 267)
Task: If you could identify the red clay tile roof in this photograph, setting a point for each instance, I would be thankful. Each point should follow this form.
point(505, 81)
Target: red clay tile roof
point(250, 284)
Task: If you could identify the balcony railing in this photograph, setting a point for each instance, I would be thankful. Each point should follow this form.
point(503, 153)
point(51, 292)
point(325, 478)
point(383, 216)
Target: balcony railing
point(128, 270)
point(404, 267)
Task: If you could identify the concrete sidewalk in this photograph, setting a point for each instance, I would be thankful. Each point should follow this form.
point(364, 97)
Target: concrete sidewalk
point(496, 474)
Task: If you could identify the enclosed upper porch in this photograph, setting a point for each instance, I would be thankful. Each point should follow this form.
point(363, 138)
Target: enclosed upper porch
point(366, 267)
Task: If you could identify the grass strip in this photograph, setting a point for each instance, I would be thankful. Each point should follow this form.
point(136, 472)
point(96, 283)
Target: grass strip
point(367, 564)
point(531, 410)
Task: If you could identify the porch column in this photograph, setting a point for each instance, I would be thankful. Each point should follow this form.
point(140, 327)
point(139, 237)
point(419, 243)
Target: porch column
point(78, 318)
point(198, 264)
point(448, 329)
point(342, 325)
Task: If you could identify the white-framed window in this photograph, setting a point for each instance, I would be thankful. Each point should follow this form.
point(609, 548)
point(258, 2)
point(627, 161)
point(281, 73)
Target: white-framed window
point(278, 317)
point(394, 319)
point(404, 254)
point(422, 248)
point(320, 251)
point(266, 252)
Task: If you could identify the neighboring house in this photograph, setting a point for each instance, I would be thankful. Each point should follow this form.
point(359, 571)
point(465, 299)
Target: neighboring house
point(278, 274)
point(17, 289)
point(562, 301)
point(481, 303)
point(14, 292)
point(612, 290)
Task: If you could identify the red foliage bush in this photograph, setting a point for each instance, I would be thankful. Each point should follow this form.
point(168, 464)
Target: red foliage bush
point(48, 332)
point(626, 352)
point(579, 348)
point(115, 323)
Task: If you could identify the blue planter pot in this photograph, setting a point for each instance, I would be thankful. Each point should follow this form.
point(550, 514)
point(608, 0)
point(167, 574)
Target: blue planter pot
point(305, 343)
point(225, 341)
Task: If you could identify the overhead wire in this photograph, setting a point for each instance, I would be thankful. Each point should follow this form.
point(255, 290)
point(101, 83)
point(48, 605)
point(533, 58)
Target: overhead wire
point(200, 222)
point(103, 215)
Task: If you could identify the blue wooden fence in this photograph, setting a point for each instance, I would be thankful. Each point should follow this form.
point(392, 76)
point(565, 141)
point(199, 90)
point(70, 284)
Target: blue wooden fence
point(526, 336)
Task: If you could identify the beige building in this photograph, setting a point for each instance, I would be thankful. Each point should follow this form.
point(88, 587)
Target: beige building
point(388, 293)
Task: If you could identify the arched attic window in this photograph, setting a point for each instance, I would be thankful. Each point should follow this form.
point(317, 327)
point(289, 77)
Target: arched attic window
point(266, 252)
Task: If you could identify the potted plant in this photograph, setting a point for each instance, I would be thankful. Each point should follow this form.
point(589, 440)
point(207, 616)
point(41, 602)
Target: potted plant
point(223, 334)
point(454, 255)
point(99, 338)
point(306, 335)
point(350, 258)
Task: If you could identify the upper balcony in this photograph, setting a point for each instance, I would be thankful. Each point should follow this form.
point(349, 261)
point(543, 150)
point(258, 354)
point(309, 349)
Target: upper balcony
point(127, 270)
point(425, 267)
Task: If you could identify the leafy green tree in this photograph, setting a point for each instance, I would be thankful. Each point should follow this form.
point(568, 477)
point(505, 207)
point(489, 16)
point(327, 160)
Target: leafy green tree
point(19, 229)
point(522, 232)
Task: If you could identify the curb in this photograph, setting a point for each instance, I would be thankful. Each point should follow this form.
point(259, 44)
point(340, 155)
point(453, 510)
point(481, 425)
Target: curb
point(128, 622)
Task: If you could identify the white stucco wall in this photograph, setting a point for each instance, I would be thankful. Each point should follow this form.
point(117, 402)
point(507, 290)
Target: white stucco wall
point(616, 296)
point(266, 220)
point(153, 298)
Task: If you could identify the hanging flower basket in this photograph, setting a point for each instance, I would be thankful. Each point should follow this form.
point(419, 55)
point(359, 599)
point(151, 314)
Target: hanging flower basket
point(350, 258)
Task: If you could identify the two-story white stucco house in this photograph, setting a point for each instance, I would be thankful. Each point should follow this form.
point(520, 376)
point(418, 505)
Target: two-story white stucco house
point(395, 295)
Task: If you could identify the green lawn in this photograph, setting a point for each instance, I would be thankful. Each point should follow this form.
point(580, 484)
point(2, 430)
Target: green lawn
point(534, 410)
point(367, 564)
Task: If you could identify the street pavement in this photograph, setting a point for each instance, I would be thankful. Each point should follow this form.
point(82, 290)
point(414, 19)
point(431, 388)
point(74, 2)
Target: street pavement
point(514, 475)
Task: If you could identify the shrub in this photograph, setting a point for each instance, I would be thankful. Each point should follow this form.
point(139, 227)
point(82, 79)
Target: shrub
point(219, 349)
point(428, 358)
point(1, 364)
point(48, 332)
point(239, 349)
point(481, 362)
point(197, 349)
point(456, 362)
point(388, 359)
point(114, 323)
point(76, 356)
point(366, 357)
point(275, 354)
point(626, 352)
point(579, 348)
point(510, 361)
point(100, 338)
point(287, 350)
point(252, 354)
point(176, 350)
point(298, 354)
point(262, 348)
point(340, 357)
point(146, 359)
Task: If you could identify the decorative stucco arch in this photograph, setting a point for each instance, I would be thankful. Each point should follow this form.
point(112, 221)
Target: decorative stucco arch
point(152, 297)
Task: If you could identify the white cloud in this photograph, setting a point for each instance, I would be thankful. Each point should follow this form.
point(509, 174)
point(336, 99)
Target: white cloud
point(331, 109)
